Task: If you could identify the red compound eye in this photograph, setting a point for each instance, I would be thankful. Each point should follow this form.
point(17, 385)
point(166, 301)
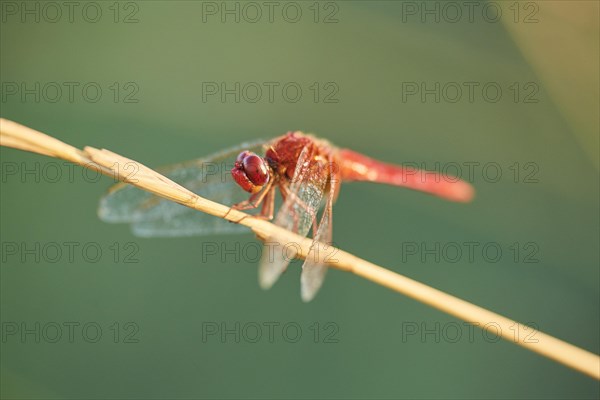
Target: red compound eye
point(256, 169)
point(250, 172)
point(242, 155)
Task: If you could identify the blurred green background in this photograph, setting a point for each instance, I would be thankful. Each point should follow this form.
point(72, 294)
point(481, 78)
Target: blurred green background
point(174, 291)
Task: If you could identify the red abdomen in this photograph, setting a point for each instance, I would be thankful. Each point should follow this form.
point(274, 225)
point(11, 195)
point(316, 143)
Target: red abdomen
point(357, 167)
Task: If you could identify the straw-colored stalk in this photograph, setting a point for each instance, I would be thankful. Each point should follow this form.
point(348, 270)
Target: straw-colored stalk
point(21, 137)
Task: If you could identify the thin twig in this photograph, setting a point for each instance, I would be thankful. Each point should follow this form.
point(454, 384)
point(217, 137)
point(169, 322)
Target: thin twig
point(21, 137)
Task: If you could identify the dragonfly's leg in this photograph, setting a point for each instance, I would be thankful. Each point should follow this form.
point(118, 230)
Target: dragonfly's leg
point(268, 206)
point(283, 189)
point(250, 204)
point(253, 202)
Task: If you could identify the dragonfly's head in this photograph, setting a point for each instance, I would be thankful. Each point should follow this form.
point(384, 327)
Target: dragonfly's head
point(250, 171)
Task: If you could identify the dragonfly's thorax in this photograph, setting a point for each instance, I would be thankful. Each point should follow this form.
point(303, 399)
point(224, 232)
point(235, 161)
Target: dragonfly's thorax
point(283, 154)
point(280, 162)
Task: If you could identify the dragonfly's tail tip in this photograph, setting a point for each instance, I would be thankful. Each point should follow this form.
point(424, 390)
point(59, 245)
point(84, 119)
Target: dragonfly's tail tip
point(463, 192)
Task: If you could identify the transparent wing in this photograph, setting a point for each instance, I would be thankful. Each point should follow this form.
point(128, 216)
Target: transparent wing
point(313, 270)
point(297, 214)
point(153, 216)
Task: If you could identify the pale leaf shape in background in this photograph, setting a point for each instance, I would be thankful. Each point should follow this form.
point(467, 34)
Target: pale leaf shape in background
point(562, 47)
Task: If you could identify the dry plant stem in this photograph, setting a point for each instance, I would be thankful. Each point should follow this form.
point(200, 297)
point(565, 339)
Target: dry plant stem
point(109, 163)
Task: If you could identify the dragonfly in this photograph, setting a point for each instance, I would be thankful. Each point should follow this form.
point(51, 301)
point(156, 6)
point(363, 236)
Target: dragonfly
point(305, 170)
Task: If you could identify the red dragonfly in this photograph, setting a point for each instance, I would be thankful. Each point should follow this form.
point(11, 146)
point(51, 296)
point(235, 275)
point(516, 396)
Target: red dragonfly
point(306, 170)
